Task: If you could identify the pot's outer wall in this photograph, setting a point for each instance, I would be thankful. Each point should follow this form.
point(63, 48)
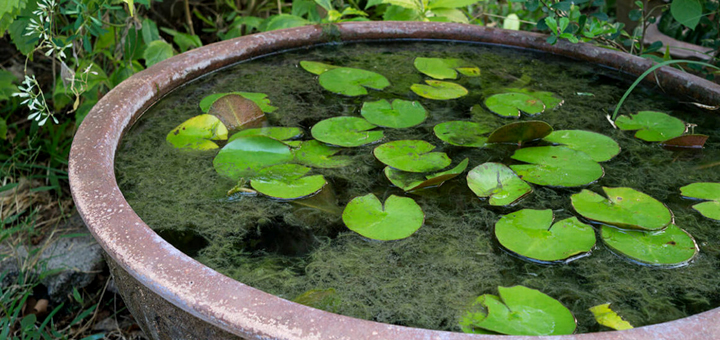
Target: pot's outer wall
point(188, 298)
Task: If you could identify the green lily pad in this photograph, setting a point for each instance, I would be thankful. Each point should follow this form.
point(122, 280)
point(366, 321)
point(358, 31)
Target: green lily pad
point(318, 155)
point(260, 99)
point(550, 99)
point(518, 311)
point(410, 181)
point(197, 133)
point(315, 67)
point(411, 156)
point(609, 318)
point(346, 131)
point(652, 126)
point(624, 207)
point(520, 132)
point(352, 81)
point(670, 247)
point(556, 166)
point(245, 156)
point(439, 90)
point(460, 133)
point(398, 219)
point(513, 104)
point(528, 233)
point(498, 182)
point(599, 147)
point(445, 68)
point(704, 191)
point(287, 181)
point(402, 113)
point(274, 132)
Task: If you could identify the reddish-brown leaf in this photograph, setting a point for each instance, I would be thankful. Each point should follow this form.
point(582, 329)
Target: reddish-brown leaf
point(237, 112)
point(686, 141)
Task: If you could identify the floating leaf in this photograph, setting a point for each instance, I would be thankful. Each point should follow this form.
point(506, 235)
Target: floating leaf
point(411, 156)
point(528, 233)
point(445, 68)
point(549, 99)
point(693, 141)
point(279, 133)
point(286, 181)
point(704, 191)
point(599, 147)
point(670, 247)
point(520, 132)
point(315, 67)
point(398, 219)
point(236, 112)
point(624, 207)
point(318, 155)
point(245, 156)
point(607, 317)
point(518, 311)
point(325, 299)
point(556, 166)
point(259, 98)
point(460, 133)
point(498, 182)
point(512, 104)
point(652, 126)
point(352, 81)
point(402, 113)
point(197, 133)
point(439, 90)
point(410, 181)
point(346, 131)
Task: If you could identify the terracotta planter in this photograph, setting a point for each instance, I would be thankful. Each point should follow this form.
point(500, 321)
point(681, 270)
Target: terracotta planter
point(174, 297)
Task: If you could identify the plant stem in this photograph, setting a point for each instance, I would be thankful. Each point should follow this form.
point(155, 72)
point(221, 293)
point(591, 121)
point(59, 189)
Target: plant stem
point(188, 18)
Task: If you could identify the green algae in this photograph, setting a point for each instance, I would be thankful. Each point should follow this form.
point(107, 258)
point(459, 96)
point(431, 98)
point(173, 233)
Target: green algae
point(428, 279)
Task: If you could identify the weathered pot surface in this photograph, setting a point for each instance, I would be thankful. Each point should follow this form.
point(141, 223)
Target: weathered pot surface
point(173, 296)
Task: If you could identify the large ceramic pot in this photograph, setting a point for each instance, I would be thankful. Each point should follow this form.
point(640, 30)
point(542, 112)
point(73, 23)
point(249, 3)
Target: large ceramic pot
point(175, 297)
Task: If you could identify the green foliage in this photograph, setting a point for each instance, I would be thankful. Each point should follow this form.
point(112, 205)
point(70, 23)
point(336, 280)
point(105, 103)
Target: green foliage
point(411, 156)
point(439, 90)
point(352, 81)
point(671, 246)
point(397, 219)
point(599, 147)
point(704, 191)
point(400, 114)
point(461, 133)
point(346, 131)
point(652, 126)
point(498, 183)
point(410, 181)
point(556, 166)
point(624, 207)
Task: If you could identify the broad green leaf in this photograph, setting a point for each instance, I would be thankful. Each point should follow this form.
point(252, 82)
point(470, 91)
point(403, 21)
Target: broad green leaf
point(244, 157)
point(520, 132)
point(149, 31)
point(669, 247)
point(599, 147)
point(687, 12)
point(156, 52)
point(315, 67)
point(318, 155)
point(197, 133)
point(529, 233)
point(453, 15)
point(19, 35)
point(609, 318)
point(511, 22)
point(623, 207)
point(351, 81)
point(401, 114)
point(280, 133)
point(513, 104)
point(410, 4)
point(549, 99)
point(326, 4)
point(461, 133)
point(411, 156)
point(3, 129)
point(498, 182)
point(399, 218)
point(260, 99)
point(9, 10)
point(432, 4)
point(325, 299)
point(287, 181)
point(444, 68)
point(7, 85)
point(237, 112)
point(346, 131)
point(439, 90)
point(410, 181)
point(556, 166)
point(704, 191)
point(652, 126)
point(281, 21)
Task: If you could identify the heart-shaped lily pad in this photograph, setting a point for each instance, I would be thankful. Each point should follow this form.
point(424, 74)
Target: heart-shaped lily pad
point(609, 318)
point(513, 104)
point(439, 90)
point(556, 166)
point(352, 81)
point(518, 311)
point(287, 181)
point(520, 132)
point(318, 155)
point(445, 68)
point(315, 67)
point(197, 133)
point(704, 191)
point(549, 99)
point(260, 99)
point(274, 132)
point(624, 207)
point(529, 233)
point(401, 114)
point(599, 147)
point(245, 156)
point(498, 182)
point(670, 247)
point(411, 156)
point(398, 219)
point(346, 131)
point(652, 126)
point(410, 181)
point(461, 133)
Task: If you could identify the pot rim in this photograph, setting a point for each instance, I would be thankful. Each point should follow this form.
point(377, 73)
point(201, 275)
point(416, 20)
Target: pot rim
point(249, 312)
